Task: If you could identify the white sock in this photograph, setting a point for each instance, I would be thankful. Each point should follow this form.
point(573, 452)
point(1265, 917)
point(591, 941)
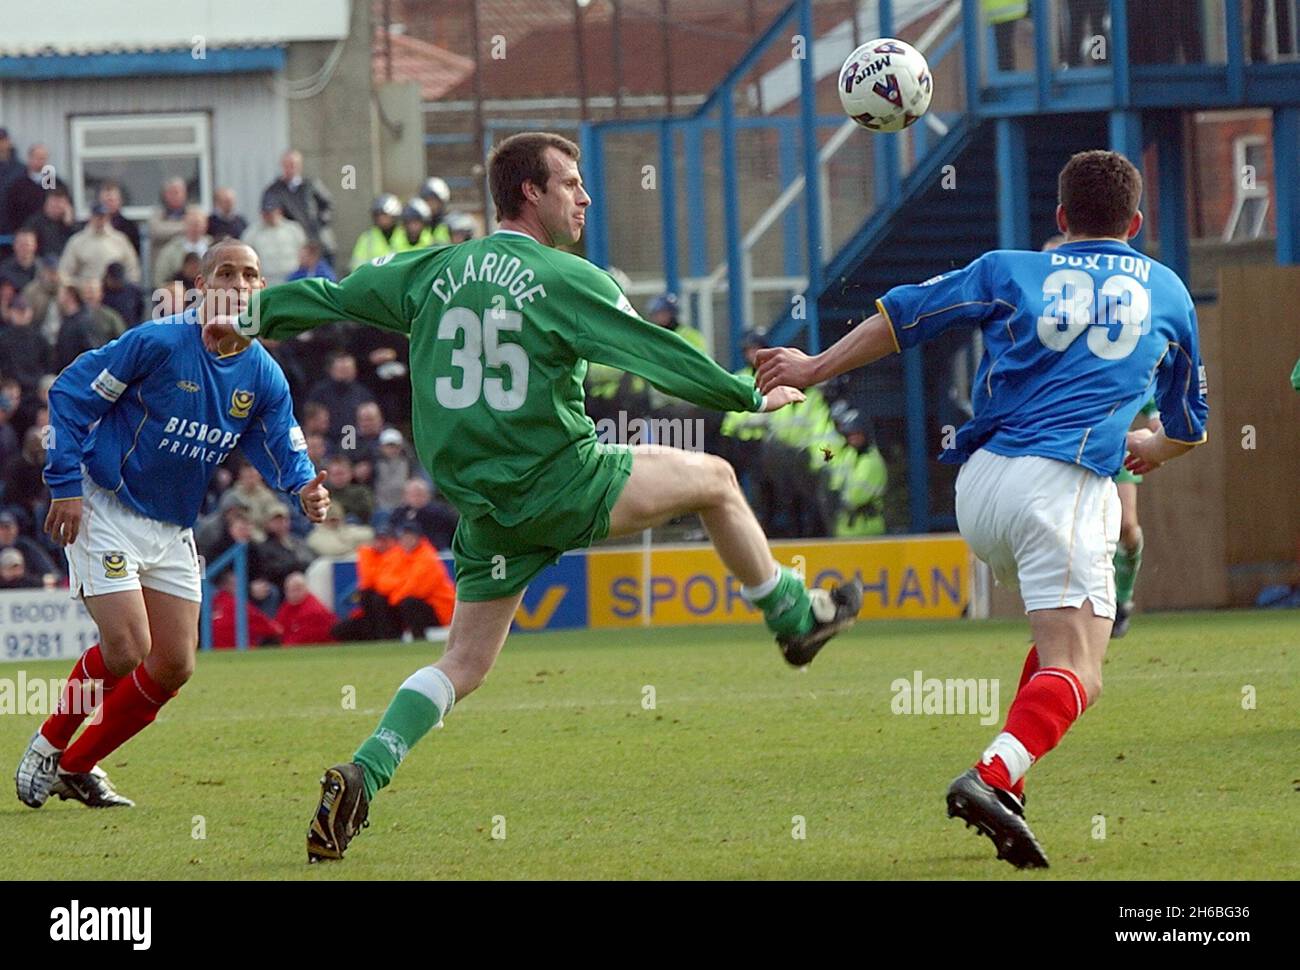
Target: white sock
point(752, 593)
point(435, 685)
point(1013, 754)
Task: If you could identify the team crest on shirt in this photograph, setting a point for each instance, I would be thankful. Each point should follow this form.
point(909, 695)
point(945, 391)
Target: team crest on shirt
point(115, 565)
point(241, 403)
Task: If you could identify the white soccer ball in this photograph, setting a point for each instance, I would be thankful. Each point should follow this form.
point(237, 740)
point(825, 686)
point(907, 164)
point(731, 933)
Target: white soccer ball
point(885, 85)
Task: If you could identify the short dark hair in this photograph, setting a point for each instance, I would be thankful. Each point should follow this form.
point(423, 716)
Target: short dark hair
point(522, 158)
point(215, 251)
point(1100, 191)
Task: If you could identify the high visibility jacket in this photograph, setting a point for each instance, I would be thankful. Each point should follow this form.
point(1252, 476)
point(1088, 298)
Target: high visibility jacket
point(745, 425)
point(859, 480)
point(1001, 11)
point(371, 244)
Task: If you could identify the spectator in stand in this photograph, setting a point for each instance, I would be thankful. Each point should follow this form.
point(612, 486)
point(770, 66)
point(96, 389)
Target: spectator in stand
point(53, 223)
point(193, 239)
point(168, 220)
point(225, 222)
point(11, 169)
point(26, 195)
point(281, 553)
point(383, 366)
point(425, 595)
point(303, 617)
point(311, 265)
point(335, 538)
point(315, 419)
point(35, 408)
point(79, 331)
point(8, 437)
point(436, 519)
point(318, 450)
point(250, 492)
point(89, 251)
point(262, 630)
point(391, 469)
point(19, 269)
point(304, 201)
point(42, 295)
point(122, 296)
point(191, 264)
point(107, 320)
point(14, 573)
point(341, 393)
point(110, 196)
point(356, 500)
point(24, 485)
point(37, 559)
point(365, 446)
point(377, 577)
point(24, 354)
point(277, 242)
point(285, 353)
point(374, 242)
point(226, 527)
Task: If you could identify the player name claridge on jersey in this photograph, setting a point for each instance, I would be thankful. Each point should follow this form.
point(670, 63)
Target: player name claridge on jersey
point(190, 439)
point(509, 274)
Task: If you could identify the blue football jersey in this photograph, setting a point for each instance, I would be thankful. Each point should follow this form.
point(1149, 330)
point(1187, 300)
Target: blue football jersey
point(151, 415)
point(1074, 340)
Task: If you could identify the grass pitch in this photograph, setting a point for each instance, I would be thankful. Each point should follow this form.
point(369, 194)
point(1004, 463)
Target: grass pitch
point(559, 753)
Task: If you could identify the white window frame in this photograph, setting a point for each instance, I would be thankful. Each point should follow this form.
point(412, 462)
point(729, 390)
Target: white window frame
point(1240, 147)
point(200, 122)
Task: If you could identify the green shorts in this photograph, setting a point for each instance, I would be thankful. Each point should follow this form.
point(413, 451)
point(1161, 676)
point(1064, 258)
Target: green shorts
point(1126, 477)
point(493, 560)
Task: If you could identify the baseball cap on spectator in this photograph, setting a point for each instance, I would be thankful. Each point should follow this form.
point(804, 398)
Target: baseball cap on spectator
point(115, 272)
point(386, 529)
point(4, 134)
point(280, 509)
point(49, 261)
point(10, 557)
point(391, 436)
point(8, 518)
point(269, 203)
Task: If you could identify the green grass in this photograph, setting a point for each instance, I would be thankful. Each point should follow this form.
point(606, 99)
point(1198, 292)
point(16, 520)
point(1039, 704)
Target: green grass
point(706, 785)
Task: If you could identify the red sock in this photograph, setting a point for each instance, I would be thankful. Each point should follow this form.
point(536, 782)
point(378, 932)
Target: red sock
point(1030, 668)
point(1042, 712)
point(128, 711)
point(60, 726)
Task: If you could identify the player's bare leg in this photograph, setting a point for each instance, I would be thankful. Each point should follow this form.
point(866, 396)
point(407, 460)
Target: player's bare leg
point(169, 644)
point(124, 641)
point(478, 632)
point(667, 482)
point(1128, 556)
point(1070, 644)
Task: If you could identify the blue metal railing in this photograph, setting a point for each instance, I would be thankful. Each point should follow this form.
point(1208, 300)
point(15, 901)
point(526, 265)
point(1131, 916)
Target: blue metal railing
point(238, 555)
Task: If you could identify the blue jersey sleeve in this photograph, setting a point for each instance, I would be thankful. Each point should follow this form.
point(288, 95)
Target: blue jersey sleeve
point(922, 311)
point(84, 392)
point(1181, 386)
point(273, 441)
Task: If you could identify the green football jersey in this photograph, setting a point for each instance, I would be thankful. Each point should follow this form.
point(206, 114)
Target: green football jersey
point(501, 330)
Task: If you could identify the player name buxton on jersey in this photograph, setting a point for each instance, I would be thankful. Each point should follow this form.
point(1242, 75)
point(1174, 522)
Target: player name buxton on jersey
point(1135, 266)
point(512, 275)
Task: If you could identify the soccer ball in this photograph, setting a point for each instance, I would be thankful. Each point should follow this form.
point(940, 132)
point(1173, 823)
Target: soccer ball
point(885, 85)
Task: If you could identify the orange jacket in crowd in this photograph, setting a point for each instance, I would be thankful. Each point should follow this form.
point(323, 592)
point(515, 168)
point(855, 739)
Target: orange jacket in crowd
point(380, 571)
point(307, 622)
point(421, 575)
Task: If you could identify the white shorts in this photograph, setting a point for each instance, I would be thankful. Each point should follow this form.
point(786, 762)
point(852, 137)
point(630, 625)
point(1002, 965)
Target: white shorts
point(1043, 526)
point(118, 549)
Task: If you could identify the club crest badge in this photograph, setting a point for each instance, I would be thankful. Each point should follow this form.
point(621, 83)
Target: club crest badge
point(241, 404)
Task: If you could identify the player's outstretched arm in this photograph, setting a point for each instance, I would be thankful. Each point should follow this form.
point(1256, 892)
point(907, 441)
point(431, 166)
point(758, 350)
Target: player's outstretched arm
point(864, 344)
point(1148, 450)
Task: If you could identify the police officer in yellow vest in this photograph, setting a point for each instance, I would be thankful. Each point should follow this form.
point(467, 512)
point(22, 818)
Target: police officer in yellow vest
point(414, 232)
point(437, 196)
point(376, 241)
point(1003, 16)
point(741, 434)
point(857, 480)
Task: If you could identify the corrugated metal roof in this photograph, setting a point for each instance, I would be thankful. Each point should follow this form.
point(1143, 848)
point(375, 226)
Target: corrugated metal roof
point(74, 27)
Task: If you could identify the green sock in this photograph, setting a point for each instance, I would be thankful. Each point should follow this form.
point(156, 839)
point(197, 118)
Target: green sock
point(1127, 564)
point(787, 609)
point(411, 713)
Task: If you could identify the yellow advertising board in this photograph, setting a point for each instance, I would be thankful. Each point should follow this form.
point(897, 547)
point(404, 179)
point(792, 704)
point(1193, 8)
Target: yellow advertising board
point(904, 577)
